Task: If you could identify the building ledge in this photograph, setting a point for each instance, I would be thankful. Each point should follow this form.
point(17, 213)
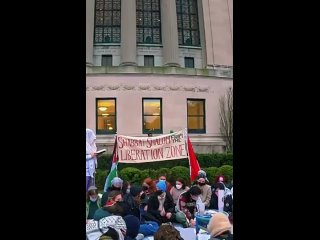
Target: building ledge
point(217, 71)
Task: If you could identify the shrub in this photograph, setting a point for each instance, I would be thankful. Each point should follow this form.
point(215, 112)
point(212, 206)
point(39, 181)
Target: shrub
point(100, 178)
point(205, 161)
point(211, 173)
point(227, 172)
point(179, 172)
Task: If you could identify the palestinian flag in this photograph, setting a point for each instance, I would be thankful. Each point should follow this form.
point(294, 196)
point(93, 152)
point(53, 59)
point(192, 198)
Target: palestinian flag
point(113, 172)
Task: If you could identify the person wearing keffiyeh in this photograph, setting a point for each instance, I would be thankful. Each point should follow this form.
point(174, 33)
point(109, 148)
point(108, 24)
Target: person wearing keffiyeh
point(95, 229)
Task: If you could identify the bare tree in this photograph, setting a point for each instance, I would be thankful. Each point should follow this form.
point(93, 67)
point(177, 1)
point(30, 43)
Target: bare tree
point(226, 119)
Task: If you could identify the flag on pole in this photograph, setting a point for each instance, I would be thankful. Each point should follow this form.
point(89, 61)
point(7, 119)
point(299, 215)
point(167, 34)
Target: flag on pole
point(113, 171)
point(193, 162)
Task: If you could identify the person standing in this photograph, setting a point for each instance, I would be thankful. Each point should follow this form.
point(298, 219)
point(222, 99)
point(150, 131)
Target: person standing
point(91, 158)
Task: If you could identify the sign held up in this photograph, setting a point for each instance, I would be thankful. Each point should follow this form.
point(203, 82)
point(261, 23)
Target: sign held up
point(149, 149)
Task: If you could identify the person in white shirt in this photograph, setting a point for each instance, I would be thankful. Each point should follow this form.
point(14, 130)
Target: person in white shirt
point(91, 157)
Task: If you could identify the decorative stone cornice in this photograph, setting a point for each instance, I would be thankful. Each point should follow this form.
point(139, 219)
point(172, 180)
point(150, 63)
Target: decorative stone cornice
point(218, 71)
point(149, 87)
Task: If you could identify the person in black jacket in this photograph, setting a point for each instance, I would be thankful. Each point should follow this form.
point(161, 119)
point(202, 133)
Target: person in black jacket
point(160, 205)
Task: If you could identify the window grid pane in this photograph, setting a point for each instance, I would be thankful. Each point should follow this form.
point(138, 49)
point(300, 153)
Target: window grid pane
point(148, 21)
point(107, 21)
point(188, 22)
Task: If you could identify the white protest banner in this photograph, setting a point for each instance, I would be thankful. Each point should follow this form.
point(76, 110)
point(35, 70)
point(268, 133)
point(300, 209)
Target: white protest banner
point(150, 149)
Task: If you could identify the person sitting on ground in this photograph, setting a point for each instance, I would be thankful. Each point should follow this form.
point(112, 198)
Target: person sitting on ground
point(116, 184)
point(110, 206)
point(133, 225)
point(112, 226)
point(179, 188)
point(167, 232)
point(133, 200)
point(187, 204)
point(163, 178)
point(148, 187)
point(160, 205)
point(220, 227)
point(93, 202)
point(205, 190)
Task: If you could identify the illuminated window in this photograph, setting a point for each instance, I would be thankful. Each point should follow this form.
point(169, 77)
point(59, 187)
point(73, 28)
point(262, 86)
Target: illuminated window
point(196, 116)
point(106, 116)
point(188, 22)
point(148, 21)
point(152, 115)
point(107, 21)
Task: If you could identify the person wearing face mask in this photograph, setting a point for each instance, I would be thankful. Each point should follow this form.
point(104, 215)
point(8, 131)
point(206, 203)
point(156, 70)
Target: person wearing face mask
point(187, 203)
point(160, 205)
point(133, 200)
point(116, 184)
point(179, 188)
point(205, 191)
point(111, 205)
point(163, 178)
point(93, 202)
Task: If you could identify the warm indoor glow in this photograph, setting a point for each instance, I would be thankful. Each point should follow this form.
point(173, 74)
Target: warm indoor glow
point(103, 108)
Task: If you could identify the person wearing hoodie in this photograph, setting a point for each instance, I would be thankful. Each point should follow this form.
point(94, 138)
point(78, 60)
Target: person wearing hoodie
point(160, 204)
point(133, 225)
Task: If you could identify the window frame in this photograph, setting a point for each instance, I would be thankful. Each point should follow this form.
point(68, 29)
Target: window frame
point(112, 26)
point(144, 26)
point(202, 131)
point(106, 132)
point(190, 29)
point(161, 117)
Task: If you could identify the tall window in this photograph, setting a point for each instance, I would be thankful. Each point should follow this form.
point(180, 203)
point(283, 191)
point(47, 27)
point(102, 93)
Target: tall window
point(188, 22)
point(152, 115)
point(196, 115)
point(106, 116)
point(148, 21)
point(107, 21)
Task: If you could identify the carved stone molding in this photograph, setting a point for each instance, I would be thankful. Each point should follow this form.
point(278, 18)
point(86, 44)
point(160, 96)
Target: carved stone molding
point(128, 87)
point(114, 87)
point(189, 88)
point(174, 88)
point(149, 87)
point(98, 88)
point(144, 86)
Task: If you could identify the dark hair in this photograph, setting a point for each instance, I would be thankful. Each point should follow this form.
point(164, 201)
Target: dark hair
point(195, 190)
point(167, 232)
point(111, 233)
point(115, 209)
point(219, 186)
point(182, 181)
point(113, 194)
